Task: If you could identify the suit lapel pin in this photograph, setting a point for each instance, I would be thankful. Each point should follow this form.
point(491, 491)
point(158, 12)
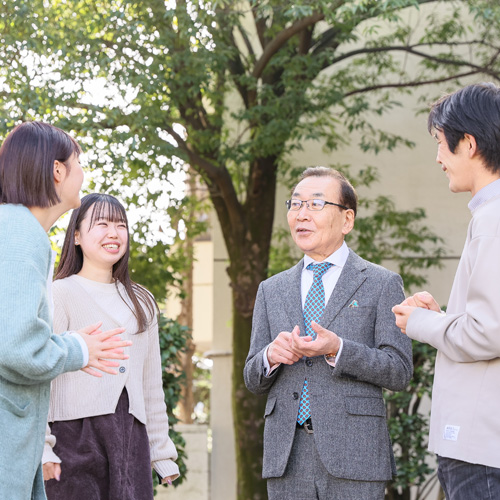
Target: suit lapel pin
point(354, 303)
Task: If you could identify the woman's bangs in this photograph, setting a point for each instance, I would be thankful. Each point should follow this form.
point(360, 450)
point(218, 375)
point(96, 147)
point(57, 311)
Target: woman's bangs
point(109, 210)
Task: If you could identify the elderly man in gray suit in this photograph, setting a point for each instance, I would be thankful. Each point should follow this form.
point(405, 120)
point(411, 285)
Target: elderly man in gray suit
point(323, 346)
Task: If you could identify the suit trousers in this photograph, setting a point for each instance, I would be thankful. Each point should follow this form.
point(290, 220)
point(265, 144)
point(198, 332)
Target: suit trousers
point(306, 478)
point(465, 481)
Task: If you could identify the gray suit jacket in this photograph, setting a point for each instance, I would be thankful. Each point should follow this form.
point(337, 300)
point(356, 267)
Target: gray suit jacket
point(348, 411)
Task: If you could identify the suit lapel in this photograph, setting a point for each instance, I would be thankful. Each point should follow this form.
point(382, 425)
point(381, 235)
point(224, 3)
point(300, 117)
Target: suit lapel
point(351, 278)
point(292, 296)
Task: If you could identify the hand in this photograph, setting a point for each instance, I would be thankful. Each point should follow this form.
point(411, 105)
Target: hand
point(103, 346)
point(326, 342)
point(402, 313)
point(167, 480)
point(51, 471)
point(427, 301)
point(280, 351)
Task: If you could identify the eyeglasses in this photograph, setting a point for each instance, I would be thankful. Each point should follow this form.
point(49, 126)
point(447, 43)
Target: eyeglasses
point(313, 205)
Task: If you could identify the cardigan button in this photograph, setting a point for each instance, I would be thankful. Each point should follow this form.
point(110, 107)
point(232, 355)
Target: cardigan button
point(309, 362)
point(295, 395)
point(122, 369)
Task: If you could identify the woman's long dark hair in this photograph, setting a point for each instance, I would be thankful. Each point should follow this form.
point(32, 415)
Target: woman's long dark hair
point(105, 206)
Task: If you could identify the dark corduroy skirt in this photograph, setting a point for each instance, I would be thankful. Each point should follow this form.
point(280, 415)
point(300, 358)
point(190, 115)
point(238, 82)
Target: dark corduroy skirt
point(103, 458)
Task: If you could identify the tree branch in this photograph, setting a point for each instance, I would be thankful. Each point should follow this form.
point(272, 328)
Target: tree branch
point(402, 48)
point(260, 25)
point(305, 39)
point(237, 69)
point(280, 40)
point(248, 44)
point(220, 184)
point(418, 84)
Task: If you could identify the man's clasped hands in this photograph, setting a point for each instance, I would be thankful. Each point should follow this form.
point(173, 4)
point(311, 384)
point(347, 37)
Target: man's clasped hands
point(289, 347)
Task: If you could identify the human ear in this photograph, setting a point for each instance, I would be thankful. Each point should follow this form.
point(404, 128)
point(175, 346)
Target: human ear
point(59, 172)
point(471, 144)
point(348, 221)
point(77, 237)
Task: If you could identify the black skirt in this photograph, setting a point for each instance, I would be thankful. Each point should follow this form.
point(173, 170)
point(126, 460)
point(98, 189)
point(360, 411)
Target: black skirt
point(103, 458)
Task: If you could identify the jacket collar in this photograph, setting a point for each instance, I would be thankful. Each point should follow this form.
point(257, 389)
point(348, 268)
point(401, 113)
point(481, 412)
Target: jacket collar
point(351, 278)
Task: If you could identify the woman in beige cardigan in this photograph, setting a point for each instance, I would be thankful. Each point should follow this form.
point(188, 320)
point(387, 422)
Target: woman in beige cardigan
point(81, 461)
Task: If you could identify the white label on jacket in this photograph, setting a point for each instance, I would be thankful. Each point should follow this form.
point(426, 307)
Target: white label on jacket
point(451, 432)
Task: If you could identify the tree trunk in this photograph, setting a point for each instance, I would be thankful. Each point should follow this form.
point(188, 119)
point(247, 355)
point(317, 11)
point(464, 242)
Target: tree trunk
point(247, 230)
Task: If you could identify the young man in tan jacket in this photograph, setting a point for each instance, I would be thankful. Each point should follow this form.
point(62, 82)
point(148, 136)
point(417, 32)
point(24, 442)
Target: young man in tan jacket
point(465, 423)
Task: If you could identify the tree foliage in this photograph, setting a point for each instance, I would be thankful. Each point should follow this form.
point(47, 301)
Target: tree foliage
point(234, 88)
point(173, 341)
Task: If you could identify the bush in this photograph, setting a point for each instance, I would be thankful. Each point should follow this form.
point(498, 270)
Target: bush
point(173, 341)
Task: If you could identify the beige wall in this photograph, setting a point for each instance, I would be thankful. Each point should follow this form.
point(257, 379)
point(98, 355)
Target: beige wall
point(203, 296)
point(223, 458)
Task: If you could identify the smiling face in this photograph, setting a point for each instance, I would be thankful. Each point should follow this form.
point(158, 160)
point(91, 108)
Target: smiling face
point(457, 165)
point(69, 179)
point(319, 233)
point(103, 240)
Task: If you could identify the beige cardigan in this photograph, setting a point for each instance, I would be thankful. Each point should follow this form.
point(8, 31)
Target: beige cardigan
point(465, 414)
point(79, 302)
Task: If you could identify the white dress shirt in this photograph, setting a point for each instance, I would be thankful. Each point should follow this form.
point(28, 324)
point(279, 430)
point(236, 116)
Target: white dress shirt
point(330, 278)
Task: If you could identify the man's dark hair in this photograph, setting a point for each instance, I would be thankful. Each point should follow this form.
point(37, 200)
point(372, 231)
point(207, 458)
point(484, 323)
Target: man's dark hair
point(27, 159)
point(473, 110)
point(348, 196)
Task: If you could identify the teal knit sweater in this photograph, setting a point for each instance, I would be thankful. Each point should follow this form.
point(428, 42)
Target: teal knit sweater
point(30, 354)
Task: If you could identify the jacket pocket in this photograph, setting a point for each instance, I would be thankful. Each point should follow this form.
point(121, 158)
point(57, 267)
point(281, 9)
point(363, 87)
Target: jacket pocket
point(271, 403)
point(361, 405)
point(11, 407)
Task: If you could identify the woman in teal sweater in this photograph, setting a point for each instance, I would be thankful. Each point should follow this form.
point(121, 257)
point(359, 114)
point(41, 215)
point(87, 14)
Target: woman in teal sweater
point(40, 179)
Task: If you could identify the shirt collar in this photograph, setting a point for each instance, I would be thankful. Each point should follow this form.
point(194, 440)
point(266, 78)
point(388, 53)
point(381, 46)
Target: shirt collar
point(485, 194)
point(337, 258)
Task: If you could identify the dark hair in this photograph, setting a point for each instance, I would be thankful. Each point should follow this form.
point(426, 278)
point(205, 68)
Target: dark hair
point(473, 110)
point(71, 262)
point(27, 159)
point(348, 196)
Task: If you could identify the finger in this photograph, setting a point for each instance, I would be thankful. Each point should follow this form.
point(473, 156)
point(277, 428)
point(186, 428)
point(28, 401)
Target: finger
point(410, 301)
point(103, 368)
point(116, 338)
point(299, 344)
point(399, 309)
point(92, 372)
point(318, 328)
point(89, 330)
point(109, 354)
point(108, 334)
point(287, 358)
point(407, 310)
point(427, 299)
point(57, 472)
point(106, 362)
point(297, 338)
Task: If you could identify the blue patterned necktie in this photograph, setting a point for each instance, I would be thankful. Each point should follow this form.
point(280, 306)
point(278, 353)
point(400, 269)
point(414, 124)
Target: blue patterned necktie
point(313, 310)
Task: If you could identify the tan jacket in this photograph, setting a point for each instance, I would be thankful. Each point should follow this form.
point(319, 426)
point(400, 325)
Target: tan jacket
point(465, 415)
